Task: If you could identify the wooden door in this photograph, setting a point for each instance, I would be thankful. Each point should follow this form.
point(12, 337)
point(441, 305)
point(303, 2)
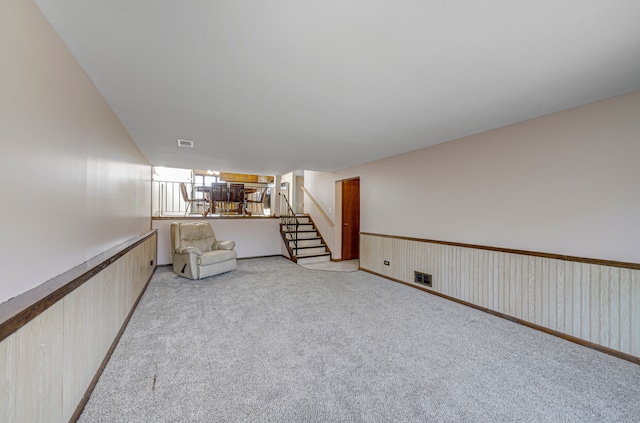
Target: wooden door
point(350, 219)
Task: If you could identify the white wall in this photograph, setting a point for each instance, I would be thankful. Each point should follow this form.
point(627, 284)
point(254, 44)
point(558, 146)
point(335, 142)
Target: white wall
point(74, 183)
point(289, 192)
point(567, 183)
point(254, 237)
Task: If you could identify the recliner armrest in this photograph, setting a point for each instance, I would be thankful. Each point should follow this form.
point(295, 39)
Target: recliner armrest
point(223, 245)
point(189, 250)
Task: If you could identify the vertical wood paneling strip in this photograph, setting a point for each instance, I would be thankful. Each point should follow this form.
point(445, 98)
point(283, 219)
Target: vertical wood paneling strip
point(489, 269)
point(625, 311)
point(503, 289)
point(568, 298)
point(635, 312)
point(585, 304)
point(577, 299)
point(512, 284)
point(594, 335)
point(531, 289)
point(444, 266)
point(614, 308)
point(8, 379)
point(544, 298)
point(78, 364)
point(549, 298)
point(523, 287)
point(475, 277)
point(39, 366)
point(450, 276)
point(484, 279)
point(559, 309)
point(456, 272)
point(464, 273)
point(604, 306)
point(540, 289)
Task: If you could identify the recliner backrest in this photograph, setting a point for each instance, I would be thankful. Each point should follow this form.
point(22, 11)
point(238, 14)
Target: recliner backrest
point(192, 234)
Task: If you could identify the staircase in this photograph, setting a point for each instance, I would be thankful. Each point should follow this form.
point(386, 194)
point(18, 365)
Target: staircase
point(300, 235)
point(303, 241)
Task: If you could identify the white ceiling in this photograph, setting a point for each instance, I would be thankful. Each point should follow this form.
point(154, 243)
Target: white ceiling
point(272, 86)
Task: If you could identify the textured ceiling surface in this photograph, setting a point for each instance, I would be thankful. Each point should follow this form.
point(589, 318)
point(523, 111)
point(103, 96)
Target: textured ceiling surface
point(272, 86)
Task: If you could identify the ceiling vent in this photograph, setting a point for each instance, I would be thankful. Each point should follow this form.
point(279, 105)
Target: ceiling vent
point(185, 143)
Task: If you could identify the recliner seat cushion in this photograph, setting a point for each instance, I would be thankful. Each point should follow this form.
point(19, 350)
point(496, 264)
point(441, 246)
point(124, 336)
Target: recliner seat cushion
point(216, 256)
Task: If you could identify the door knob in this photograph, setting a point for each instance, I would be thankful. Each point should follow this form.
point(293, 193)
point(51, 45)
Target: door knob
point(345, 224)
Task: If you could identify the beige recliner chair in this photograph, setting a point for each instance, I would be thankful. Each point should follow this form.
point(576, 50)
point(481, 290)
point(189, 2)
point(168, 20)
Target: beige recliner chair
point(196, 252)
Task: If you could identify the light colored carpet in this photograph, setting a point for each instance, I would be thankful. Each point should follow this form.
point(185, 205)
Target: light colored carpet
point(272, 342)
point(334, 266)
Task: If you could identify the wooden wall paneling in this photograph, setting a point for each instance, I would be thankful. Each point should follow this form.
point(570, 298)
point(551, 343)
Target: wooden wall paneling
point(558, 314)
point(444, 269)
point(377, 246)
point(577, 299)
point(486, 270)
point(103, 310)
point(595, 302)
point(544, 300)
point(365, 250)
point(585, 301)
point(39, 368)
point(371, 249)
point(426, 265)
point(605, 305)
point(515, 285)
point(466, 275)
point(475, 276)
point(456, 271)
point(415, 260)
point(149, 256)
point(450, 277)
point(553, 284)
point(527, 288)
point(594, 305)
point(614, 308)
point(505, 269)
point(128, 269)
point(515, 270)
point(79, 366)
point(483, 284)
point(531, 289)
point(453, 271)
point(387, 250)
point(438, 268)
point(112, 289)
point(625, 310)
point(496, 280)
point(567, 299)
point(122, 281)
point(635, 312)
point(48, 364)
point(493, 281)
point(399, 260)
point(8, 366)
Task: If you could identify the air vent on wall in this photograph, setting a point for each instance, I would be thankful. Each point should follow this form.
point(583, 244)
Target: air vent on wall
point(185, 143)
point(422, 278)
